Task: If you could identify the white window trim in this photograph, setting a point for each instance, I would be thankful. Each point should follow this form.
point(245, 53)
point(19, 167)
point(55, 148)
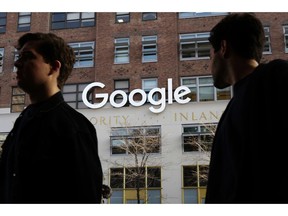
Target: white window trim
point(187, 15)
point(149, 41)
point(285, 32)
point(197, 85)
point(267, 36)
point(194, 38)
point(122, 43)
point(89, 45)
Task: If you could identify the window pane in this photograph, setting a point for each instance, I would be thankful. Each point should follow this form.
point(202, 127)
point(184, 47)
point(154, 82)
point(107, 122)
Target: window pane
point(190, 196)
point(118, 146)
point(73, 24)
point(206, 93)
point(224, 94)
point(25, 19)
point(58, 25)
point(149, 84)
point(191, 143)
point(122, 17)
point(190, 176)
point(154, 177)
point(117, 197)
point(88, 15)
point(203, 175)
point(121, 84)
point(150, 57)
point(116, 178)
point(133, 177)
point(203, 49)
point(188, 50)
point(154, 196)
point(56, 17)
point(69, 97)
point(121, 58)
point(73, 16)
point(206, 80)
point(149, 16)
point(69, 88)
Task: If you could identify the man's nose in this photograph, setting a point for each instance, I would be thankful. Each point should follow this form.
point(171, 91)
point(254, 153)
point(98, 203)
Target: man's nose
point(17, 63)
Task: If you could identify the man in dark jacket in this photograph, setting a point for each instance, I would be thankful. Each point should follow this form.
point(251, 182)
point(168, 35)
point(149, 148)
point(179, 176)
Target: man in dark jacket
point(249, 153)
point(51, 154)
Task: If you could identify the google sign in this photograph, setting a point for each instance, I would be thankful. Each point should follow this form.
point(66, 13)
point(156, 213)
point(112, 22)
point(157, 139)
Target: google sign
point(160, 103)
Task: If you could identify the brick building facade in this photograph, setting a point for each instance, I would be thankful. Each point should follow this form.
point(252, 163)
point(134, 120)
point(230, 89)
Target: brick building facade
point(127, 51)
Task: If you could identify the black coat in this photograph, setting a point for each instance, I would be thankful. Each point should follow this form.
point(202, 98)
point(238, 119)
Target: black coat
point(51, 156)
point(249, 153)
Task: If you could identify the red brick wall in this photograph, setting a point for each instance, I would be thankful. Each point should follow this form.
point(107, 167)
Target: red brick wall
point(167, 27)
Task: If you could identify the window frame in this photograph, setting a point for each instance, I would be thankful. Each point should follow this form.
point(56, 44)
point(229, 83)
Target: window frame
point(3, 22)
point(199, 176)
point(194, 45)
point(26, 24)
point(124, 194)
point(122, 50)
point(3, 136)
point(17, 94)
point(2, 55)
point(122, 17)
point(196, 87)
point(267, 46)
point(83, 47)
point(197, 132)
point(125, 86)
point(285, 33)
point(149, 48)
point(79, 88)
point(61, 20)
point(148, 89)
point(188, 15)
point(140, 134)
point(153, 16)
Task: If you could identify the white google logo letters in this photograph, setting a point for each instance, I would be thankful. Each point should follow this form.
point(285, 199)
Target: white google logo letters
point(160, 103)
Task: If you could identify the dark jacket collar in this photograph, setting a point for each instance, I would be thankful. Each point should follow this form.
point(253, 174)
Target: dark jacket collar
point(46, 106)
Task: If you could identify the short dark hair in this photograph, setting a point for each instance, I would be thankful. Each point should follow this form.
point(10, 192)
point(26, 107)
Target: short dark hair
point(244, 32)
point(52, 48)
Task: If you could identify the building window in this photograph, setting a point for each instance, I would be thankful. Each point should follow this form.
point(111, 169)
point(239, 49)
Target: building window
point(121, 52)
point(84, 53)
point(3, 20)
point(194, 46)
point(202, 89)
point(285, 31)
point(149, 49)
point(148, 84)
point(194, 183)
point(72, 20)
point(185, 15)
point(122, 85)
point(124, 181)
point(198, 137)
point(135, 140)
point(24, 21)
point(16, 56)
point(123, 17)
point(72, 94)
point(149, 16)
point(1, 59)
point(18, 100)
point(2, 139)
point(267, 45)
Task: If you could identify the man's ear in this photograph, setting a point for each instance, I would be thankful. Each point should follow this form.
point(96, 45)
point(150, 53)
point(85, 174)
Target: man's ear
point(225, 49)
point(55, 66)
